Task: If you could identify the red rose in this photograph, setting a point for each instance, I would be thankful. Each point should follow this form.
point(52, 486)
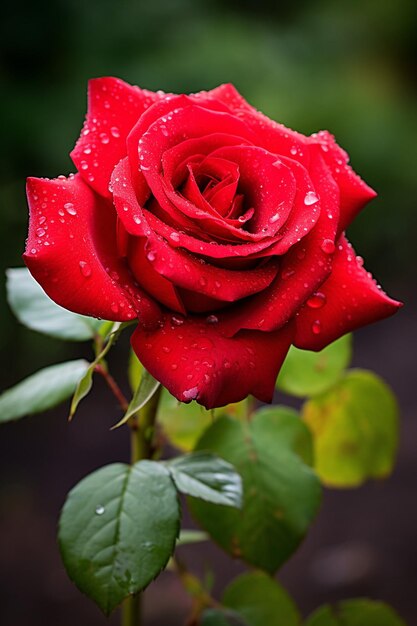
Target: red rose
point(219, 229)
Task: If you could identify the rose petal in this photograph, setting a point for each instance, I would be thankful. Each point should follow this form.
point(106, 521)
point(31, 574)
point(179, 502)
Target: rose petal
point(350, 298)
point(304, 267)
point(195, 362)
point(113, 109)
point(354, 192)
point(272, 136)
point(71, 251)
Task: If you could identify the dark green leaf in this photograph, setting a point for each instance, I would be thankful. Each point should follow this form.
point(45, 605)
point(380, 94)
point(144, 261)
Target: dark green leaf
point(355, 430)
point(281, 493)
point(37, 311)
point(42, 390)
point(206, 476)
point(359, 612)
point(261, 601)
point(147, 388)
point(306, 373)
point(118, 529)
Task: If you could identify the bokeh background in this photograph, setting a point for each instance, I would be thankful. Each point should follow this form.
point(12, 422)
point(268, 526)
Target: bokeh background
point(312, 64)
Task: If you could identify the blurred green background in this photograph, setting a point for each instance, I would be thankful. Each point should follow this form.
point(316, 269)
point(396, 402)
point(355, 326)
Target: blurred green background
point(348, 67)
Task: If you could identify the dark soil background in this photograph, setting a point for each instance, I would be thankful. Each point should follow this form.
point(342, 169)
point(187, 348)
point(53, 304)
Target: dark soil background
point(313, 64)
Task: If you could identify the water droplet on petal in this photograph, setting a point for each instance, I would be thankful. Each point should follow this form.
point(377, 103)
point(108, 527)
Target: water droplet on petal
point(151, 256)
point(310, 198)
point(115, 131)
point(212, 319)
point(69, 207)
point(316, 327)
point(104, 138)
point(177, 321)
point(174, 236)
point(100, 509)
point(328, 246)
point(136, 218)
point(317, 300)
point(287, 274)
point(190, 394)
point(40, 232)
point(85, 269)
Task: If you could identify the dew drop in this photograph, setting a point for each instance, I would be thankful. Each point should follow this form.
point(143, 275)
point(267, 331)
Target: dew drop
point(287, 274)
point(177, 321)
point(328, 246)
point(104, 138)
point(190, 394)
point(203, 281)
point(174, 236)
point(274, 218)
point(293, 150)
point(317, 300)
point(212, 319)
point(310, 198)
point(151, 256)
point(114, 307)
point(316, 327)
point(136, 218)
point(85, 269)
point(100, 509)
point(166, 349)
point(33, 251)
point(40, 232)
point(69, 207)
point(115, 131)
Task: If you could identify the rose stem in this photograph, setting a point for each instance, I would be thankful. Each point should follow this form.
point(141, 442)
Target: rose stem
point(113, 386)
point(141, 447)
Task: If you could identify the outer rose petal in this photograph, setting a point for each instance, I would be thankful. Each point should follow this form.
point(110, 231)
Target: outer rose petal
point(70, 247)
point(114, 107)
point(354, 192)
point(351, 299)
point(272, 136)
point(194, 362)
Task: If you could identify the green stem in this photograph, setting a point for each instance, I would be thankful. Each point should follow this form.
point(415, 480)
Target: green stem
point(142, 428)
point(131, 613)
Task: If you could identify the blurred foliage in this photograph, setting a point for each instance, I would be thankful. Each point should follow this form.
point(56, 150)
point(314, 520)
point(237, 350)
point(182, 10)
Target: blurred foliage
point(313, 64)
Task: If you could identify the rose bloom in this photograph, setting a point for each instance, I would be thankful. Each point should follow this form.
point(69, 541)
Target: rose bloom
point(220, 230)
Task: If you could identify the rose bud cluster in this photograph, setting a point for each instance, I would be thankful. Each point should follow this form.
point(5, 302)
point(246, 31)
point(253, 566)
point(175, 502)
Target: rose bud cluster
point(220, 230)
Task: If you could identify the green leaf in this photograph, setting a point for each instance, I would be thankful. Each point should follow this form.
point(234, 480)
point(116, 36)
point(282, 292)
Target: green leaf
point(208, 477)
point(147, 388)
point(37, 311)
point(355, 430)
point(86, 382)
point(359, 612)
point(184, 424)
point(306, 373)
point(118, 529)
point(42, 390)
point(260, 600)
point(281, 492)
